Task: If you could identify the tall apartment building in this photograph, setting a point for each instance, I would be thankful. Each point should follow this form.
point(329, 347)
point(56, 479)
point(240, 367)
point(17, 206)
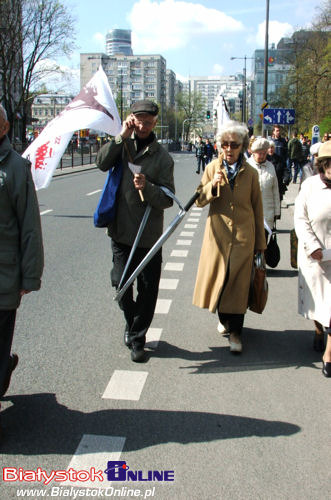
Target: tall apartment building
point(211, 86)
point(171, 88)
point(132, 77)
point(118, 41)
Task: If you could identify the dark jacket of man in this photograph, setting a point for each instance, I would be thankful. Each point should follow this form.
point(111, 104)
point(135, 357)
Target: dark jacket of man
point(157, 165)
point(21, 248)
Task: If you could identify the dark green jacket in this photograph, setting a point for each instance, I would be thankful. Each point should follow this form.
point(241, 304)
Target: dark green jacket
point(157, 165)
point(295, 149)
point(21, 248)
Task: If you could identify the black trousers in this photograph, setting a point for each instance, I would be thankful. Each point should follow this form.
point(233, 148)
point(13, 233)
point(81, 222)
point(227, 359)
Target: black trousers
point(232, 322)
point(139, 310)
point(7, 325)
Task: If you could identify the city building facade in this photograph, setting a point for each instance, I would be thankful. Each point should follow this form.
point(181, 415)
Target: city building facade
point(46, 107)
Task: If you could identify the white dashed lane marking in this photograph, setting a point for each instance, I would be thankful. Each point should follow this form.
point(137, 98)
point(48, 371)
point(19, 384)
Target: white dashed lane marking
point(162, 306)
point(188, 234)
point(174, 266)
point(152, 337)
point(94, 192)
point(125, 384)
point(168, 284)
point(179, 253)
point(184, 242)
point(95, 451)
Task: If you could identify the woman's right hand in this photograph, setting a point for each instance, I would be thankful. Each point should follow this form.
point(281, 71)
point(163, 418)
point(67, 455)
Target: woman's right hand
point(317, 254)
point(218, 178)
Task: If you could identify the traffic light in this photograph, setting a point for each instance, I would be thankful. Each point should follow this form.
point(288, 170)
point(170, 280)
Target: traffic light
point(208, 114)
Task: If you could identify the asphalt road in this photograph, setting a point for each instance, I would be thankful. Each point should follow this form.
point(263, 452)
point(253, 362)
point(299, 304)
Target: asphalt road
point(254, 426)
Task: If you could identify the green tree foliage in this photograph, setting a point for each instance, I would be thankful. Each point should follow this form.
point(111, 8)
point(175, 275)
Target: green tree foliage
point(191, 107)
point(32, 32)
point(307, 88)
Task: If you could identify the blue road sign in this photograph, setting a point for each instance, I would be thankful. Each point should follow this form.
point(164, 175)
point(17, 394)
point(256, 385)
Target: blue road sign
point(278, 116)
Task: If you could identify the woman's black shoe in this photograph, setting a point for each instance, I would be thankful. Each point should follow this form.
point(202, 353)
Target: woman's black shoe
point(326, 370)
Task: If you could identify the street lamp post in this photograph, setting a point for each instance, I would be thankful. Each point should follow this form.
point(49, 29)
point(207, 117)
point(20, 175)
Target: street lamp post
point(244, 100)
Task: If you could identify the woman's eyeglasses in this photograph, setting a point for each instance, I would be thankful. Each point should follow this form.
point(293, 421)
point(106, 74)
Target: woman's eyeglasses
point(231, 145)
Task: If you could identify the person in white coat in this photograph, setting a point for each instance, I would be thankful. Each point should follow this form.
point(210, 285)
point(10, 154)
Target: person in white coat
point(312, 222)
point(268, 180)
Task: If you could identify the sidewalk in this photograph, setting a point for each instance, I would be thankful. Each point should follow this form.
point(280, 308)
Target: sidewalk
point(73, 170)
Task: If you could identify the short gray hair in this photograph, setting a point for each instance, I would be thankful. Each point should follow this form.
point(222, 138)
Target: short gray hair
point(3, 113)
point(233, 127)
point(260, 145)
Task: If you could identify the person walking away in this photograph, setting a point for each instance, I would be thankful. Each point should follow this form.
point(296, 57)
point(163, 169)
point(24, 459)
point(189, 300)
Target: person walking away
point(209, 151)
point(268, 181)
point(281, 151)
point(279, 168)
point(234, 232)
point(21, 247)
point(137, 144)
point(295, 156)
point(200, 153)
point(312, 222)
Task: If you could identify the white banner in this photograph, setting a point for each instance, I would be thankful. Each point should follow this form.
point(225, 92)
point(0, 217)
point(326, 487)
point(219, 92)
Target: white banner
point(222, 114)
point(94, 107)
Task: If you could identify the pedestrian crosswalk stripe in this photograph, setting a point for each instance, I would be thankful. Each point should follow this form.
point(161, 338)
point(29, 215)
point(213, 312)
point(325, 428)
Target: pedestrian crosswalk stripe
point(174, 266)
point(192, 220)
point(190, 226)
point(189, 234)
point(179, 253)
point(168, 284)
point(125, 384)
point(95, 451)
point(162, 306)
point(152, 337)
point(197, 209)
point(46, 212)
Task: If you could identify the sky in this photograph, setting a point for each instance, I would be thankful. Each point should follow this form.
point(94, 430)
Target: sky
point(196, 37)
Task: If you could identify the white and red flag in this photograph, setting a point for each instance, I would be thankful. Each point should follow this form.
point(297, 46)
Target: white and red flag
point(94, 107)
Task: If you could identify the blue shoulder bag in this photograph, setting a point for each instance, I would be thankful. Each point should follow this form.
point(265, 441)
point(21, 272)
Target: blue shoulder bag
point(106, 209)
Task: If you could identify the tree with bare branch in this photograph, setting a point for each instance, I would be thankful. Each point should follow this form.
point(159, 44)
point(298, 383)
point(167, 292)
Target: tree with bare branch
point(31, 33)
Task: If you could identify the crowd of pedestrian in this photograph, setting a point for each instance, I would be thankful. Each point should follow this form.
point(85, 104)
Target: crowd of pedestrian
point(243, 181)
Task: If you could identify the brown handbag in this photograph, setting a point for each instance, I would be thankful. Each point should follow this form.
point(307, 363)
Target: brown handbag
point(258, 294)
point(294, 249)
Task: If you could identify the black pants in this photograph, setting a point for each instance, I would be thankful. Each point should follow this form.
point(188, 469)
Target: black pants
point(7, 325)
point(139, 311)
point(232, 322)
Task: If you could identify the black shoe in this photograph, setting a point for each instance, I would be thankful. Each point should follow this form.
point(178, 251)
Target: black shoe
point(13, 360)
point(326, 370)
point(318, 343)
point(197, 171)
point(137, 354)
point(127, 340)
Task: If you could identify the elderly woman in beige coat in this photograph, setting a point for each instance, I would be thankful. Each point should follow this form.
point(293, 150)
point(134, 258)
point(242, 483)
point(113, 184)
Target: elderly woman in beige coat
point(312, 221)
point(234, 232)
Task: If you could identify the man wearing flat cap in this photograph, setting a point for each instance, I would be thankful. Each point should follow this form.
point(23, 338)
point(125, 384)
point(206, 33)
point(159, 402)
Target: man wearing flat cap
point(137, 144)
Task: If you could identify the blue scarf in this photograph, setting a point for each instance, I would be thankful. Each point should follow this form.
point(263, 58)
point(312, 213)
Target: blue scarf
point(232, 174)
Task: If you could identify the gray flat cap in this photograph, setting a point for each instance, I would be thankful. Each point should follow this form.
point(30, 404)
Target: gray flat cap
point(145, 106)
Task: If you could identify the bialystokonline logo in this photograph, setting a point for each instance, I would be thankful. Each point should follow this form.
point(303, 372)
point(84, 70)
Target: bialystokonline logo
point(116, 471)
